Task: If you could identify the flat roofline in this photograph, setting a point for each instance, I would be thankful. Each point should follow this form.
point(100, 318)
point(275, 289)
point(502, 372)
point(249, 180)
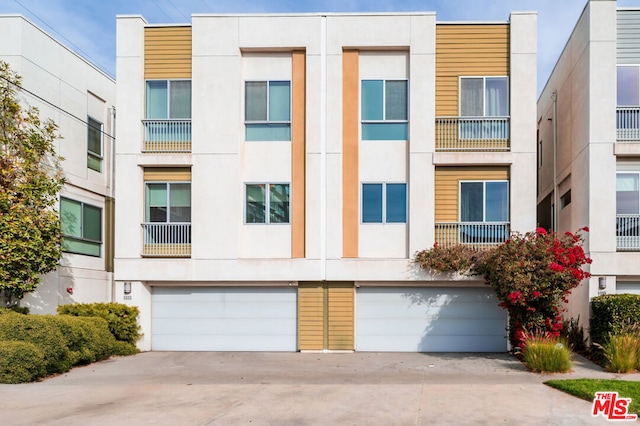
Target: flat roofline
point(55, 40)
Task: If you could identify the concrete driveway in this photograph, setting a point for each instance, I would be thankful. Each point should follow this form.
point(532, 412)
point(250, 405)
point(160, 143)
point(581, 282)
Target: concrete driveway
point(230, 388)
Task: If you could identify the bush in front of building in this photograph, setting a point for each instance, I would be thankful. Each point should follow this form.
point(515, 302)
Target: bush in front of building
point(87, 338)
point(41, 332)
point(622, 351)
point(611, 314)
point(20, 362)
point(122, 319)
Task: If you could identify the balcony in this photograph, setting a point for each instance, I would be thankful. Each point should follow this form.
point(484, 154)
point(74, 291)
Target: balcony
point(479, 235)
point(628, 124)
point(472, 133)
point(628, 232)
point(167, 135)
point(166, 239)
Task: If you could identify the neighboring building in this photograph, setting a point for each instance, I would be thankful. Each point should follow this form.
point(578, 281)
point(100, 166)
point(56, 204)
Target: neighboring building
point(80, 99)
point(591, 177)
point(277, 173)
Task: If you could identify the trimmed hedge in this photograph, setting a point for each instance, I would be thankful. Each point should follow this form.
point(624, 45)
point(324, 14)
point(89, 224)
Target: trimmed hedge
point(87, 338)
point(20, 362)
point(610, 313)
point(40, 331)
point(122, 319)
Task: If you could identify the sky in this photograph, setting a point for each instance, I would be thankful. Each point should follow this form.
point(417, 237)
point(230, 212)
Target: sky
point(88, 26)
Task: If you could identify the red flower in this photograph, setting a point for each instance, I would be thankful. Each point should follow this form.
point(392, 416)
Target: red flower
point(585, 229)
point(556, 267)
point(541, 231)
point(535, 294)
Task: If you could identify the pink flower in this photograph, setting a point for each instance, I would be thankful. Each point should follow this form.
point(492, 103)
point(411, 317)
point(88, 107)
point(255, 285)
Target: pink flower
point(541, 231)
point(535, 294)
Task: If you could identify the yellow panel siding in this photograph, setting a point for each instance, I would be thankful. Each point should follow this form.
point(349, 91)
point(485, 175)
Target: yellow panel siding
point(340, 318)
point(350, 141)
point(167, 174)
point(311, 316)
point(467, 50)
point(167, 52)
point(447, 184)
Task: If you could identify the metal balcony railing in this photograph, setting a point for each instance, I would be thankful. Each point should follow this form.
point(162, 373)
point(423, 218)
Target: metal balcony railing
point(167, 135)
point(472, 133)
point(166, 239)
point(479, 235)
point(628, 124)
point(628, 232)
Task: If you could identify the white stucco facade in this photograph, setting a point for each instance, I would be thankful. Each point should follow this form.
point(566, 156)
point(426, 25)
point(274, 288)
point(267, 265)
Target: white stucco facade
point(70, 90)
point(579, 104)
point(227, 252)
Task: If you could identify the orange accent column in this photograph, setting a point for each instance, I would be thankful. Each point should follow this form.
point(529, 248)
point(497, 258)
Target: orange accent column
point(350, 139)
point(298, 144)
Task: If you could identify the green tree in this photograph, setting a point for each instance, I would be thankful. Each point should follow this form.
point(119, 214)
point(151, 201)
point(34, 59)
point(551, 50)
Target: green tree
point(30, 179)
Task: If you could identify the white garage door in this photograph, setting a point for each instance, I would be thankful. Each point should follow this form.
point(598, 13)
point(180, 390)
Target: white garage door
point(630, 287)
point(429, 320)
point(223, 319)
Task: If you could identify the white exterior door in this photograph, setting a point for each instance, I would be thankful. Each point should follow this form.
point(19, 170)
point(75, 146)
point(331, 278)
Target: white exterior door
point(429, 320)
point(223, 319)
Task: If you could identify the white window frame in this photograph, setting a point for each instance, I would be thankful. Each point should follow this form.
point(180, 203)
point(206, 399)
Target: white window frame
point(628, 66)
point(168, 80)
point(384, 202)
point(168, 200)
point(484, 198)
point(384, 101)
point(267, 203)
point(267, 121)
point(484, 94)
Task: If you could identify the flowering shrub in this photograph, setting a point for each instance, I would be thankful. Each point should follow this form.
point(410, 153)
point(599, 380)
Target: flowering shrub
point(531, 274)
point(458, 258)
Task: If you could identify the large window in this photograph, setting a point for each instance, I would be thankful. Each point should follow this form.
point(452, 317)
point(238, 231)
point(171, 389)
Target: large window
point(484, 201)
point(81, 227)
point(480, 99)
point(94, 144)
point(168, 99)
point(628, 85)
point(267, 110)
point(168, 202)
point(267, 203)
point(384, 202)
point(384, 110)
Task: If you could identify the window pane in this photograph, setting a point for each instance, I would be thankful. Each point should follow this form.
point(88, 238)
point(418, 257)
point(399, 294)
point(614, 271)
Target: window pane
point(72, 245)
point(279, 203)
point(156, 99)
point(255, 208)
point(180, 101)
point(628, 86)
point(396, 100)
point(94, 163)
point(156, 202)
point(497, 97)
point(497, 202)
point(627, 194)
point(372, 106)
point(94, 129)
point(255, 100)
point(396, 203)
point(92, 223)
point(71, 217)
point(471, 97)
point(385, 132)
point(372, 203)
point(279, 101)
point(471, 204)
point(268, 132)
point(180, 202)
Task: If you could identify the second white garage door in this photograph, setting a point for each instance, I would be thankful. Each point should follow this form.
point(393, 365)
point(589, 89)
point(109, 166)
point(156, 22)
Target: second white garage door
point(429, 320)
point(223, 319)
